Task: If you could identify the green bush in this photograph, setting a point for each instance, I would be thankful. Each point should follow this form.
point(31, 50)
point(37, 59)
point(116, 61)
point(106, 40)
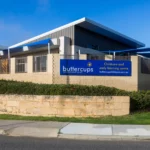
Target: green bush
point(139, 100)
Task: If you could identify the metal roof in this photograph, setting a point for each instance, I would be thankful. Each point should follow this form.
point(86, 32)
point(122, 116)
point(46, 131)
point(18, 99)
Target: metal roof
point(103, 30)
point(92, 26)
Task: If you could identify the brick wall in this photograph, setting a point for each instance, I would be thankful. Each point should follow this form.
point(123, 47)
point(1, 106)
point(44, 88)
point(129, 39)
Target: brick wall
point(129, 83)
point(64, 106)
point(135, 82)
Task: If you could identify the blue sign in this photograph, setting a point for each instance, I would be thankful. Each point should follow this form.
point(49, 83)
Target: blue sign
point(95, 67)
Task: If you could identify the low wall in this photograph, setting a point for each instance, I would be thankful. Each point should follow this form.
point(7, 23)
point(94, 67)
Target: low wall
point(128, 83)
point(52, 76)
point(41, 77)
point(64, 106)
point(137, 81)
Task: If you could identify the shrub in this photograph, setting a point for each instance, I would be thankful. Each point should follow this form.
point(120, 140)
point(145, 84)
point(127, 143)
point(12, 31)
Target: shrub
point(139, 100)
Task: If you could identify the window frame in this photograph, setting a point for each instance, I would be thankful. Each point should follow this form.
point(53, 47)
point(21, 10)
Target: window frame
point(35, 70)
point(17, 64)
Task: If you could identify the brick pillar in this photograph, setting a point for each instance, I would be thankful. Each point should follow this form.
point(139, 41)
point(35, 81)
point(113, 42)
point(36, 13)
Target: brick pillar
point(108, 57)
point(83, 56)
point(12, 65)
point(30, 64)
point(49, 63)
point(50, 66)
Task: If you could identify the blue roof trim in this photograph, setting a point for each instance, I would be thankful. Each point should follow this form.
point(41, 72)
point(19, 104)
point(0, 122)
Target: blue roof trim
point(42, 42)
point(33, 44)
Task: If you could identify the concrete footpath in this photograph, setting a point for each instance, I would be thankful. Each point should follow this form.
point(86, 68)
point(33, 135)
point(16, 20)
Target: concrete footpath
point(74, 130)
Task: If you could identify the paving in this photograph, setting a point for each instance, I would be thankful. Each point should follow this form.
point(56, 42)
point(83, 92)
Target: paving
point(87, 129)
point(68, 130)
point(107, 130)
point(31, 128)
point(8, 124)
point(131, 130)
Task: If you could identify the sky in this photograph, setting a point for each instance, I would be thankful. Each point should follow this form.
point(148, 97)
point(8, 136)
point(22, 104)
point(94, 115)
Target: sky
point(23, 19)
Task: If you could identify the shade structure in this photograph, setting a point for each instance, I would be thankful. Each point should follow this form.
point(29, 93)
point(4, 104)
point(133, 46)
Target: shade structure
point(147, 52)
point(128, 51)
point(39, 43)
point(30, 46)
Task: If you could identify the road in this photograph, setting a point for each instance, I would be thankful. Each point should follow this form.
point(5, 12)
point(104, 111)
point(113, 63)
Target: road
point(19, 143)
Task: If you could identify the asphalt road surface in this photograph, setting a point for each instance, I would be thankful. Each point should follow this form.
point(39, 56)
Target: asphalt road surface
point(19, 143)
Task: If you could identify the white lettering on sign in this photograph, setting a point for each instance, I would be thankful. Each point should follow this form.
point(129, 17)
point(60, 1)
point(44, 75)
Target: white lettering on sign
point(77, 70)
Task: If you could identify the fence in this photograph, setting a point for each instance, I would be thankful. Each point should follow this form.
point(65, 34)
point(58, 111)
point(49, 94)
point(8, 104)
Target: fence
point(95, 57)
point(145, 65)
point(69, 56)
point(122, 57)
point(4, 66)
point(52, 76)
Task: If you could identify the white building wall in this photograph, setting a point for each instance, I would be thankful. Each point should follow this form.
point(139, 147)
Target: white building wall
point(65, 48)
point(77, 50)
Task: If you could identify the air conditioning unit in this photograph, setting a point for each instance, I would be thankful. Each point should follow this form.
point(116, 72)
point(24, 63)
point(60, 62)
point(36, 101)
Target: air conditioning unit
point(1, 53)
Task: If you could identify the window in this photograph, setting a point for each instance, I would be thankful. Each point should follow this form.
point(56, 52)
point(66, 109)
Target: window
point(21, 65)
point(39, 63)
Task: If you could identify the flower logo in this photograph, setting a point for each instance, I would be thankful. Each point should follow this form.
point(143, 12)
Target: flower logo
point(89, 64)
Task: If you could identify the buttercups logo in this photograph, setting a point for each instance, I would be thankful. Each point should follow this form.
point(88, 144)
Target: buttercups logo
point(73, 69)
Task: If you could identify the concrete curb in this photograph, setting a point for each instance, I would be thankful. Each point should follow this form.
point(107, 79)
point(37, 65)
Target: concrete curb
point(2, 132)
point(54, 133)
point(33, 132)
point(31, 129)
point(103, 138)
point(77, 131)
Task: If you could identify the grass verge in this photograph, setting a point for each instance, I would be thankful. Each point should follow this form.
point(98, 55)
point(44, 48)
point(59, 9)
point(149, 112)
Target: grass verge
point(140, 118)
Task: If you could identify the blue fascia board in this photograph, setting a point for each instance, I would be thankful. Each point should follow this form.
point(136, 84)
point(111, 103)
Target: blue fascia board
point(33, 44)
point(42, 42)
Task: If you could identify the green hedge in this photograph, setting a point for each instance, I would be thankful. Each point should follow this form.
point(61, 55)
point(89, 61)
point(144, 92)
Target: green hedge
point(139, 100)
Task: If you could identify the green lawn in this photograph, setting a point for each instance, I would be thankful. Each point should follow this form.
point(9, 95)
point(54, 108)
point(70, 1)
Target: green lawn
point(142, 118)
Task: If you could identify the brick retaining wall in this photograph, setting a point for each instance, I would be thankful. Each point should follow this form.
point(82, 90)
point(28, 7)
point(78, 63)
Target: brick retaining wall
point(64, 106)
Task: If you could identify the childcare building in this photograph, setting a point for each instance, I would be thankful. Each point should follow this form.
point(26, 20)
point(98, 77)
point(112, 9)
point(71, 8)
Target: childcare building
point(82, 52)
